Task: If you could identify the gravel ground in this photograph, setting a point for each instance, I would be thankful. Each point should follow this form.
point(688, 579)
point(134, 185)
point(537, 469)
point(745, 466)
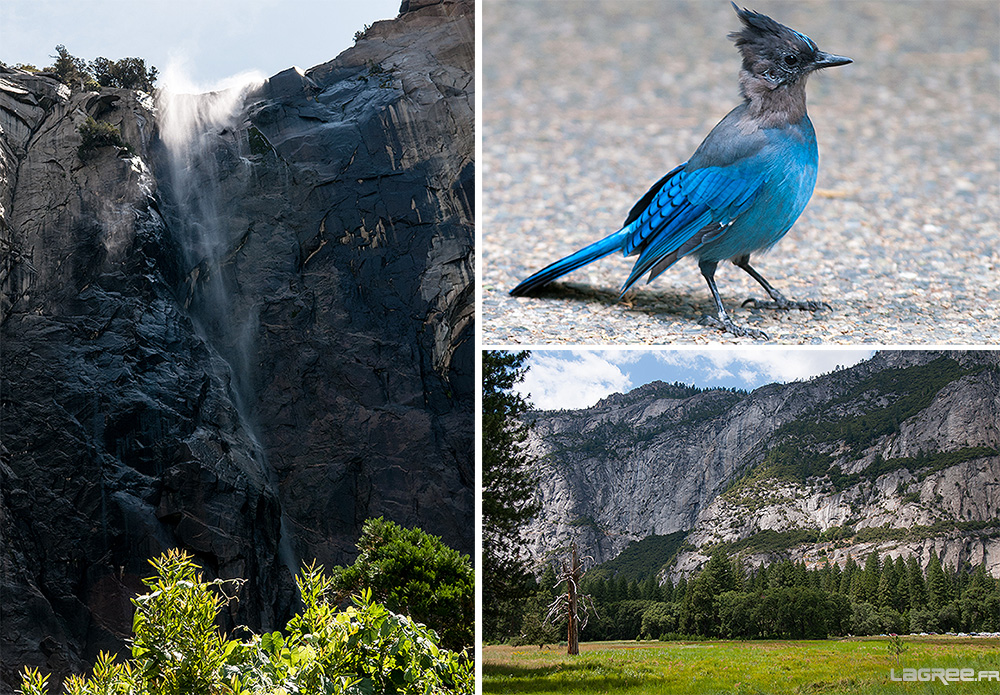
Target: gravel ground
point(585, 104)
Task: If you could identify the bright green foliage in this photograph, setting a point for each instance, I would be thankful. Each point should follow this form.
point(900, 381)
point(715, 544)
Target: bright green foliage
point(830, 667)
point(413, 572)
point(177, 650)
point(96, 134)
point(178, 656)
point(33, 682)
point(109, 679)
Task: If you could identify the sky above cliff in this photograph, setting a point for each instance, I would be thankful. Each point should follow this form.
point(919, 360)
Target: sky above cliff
point(206, 41)
point(571, 379)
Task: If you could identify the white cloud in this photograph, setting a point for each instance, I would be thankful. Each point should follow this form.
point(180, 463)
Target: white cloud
point(571, 380)
point(763, 364)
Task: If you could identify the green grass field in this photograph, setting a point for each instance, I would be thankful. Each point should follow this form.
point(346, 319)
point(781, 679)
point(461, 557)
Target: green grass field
point(659, 668)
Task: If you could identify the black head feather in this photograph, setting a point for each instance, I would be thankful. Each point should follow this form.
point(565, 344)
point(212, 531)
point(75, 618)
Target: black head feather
point(775, 53)
point(759, 29)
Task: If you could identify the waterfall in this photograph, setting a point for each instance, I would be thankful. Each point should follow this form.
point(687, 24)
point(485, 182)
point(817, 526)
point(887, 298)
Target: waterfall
point(205, 147)
point(200, 134)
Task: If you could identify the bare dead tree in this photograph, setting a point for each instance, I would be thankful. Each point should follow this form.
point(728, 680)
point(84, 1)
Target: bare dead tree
point(572, 604)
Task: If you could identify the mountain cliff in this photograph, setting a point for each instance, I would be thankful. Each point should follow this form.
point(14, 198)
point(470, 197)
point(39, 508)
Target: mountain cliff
point(900, 453)
point(242, 332)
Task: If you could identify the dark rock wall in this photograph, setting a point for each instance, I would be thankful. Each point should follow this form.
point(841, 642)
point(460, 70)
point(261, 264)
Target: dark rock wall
point(129, 427)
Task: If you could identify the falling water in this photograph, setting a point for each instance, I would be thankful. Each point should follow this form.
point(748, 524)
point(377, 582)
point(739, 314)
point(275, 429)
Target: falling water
point(200, 133)
point(203, 135)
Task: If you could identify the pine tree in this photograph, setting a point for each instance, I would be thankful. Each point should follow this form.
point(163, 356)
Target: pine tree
point(680, 590)
point(72, 71)
point(847, 577)
point(719, 573)
point(888, 586)
point(667, 591)
point(547, 582)
point(739, 574)
point(870, 578)
point(857, 592)
point(916, 588)
point(127, 73)
point(902, 586)
point(833, 585)
point(937, 584)
point(535, 629)
point(509, 487)
point(781, 575)
point(650, 589)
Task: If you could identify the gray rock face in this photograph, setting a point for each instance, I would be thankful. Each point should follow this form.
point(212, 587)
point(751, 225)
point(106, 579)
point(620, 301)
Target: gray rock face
point(254, 399)
point(656, 461)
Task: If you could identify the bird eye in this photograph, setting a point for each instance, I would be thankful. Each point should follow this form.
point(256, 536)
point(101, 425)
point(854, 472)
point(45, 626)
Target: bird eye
point(791, 60)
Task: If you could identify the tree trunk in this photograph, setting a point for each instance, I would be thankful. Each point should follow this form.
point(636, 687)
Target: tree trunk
point(573, 638)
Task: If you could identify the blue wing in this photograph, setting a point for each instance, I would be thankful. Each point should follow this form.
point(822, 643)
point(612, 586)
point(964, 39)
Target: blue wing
point(683, 211)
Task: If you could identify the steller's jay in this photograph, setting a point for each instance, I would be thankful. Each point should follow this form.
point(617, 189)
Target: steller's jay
point(743, 188)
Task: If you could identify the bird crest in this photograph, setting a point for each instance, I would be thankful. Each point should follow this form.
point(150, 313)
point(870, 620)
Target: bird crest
point(762, 36)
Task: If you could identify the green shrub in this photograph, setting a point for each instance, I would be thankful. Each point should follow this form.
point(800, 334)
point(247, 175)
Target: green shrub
point(177, 650)
point(78, 75)
point(413, 572)
point(127, 73)
point(97, 134)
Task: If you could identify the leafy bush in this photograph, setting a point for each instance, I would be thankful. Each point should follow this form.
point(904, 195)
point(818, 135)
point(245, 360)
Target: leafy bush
point(413, 572)
point(98, 134)
point(659, 619)
point(177, 650)
point(127, 73)
point(78, 75)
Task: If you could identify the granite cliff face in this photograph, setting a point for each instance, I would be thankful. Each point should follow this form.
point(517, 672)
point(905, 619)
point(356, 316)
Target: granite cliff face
point(900, 453)
point(243, 337)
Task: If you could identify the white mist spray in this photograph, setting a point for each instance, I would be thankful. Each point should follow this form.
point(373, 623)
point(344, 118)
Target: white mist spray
point(198, 131)
point(201, 133)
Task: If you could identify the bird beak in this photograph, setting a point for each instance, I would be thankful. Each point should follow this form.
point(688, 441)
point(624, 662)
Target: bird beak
point(828, 60)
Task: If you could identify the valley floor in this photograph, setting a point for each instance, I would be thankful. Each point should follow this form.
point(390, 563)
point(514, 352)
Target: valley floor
point(856, 665)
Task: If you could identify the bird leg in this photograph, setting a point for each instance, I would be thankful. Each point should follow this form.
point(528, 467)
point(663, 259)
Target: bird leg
point(780, 302)
point(723, 322)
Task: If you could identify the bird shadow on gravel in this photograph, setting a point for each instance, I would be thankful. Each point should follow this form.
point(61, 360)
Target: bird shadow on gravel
point(677, 310)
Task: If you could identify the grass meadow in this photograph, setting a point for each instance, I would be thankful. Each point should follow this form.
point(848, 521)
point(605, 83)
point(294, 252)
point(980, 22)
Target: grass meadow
point(857, 665)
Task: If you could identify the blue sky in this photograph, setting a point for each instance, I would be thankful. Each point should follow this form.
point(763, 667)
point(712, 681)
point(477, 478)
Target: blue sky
point(206, 40)
point(573, 379)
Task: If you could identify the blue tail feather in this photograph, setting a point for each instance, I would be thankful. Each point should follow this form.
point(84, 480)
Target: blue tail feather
point(599, 249)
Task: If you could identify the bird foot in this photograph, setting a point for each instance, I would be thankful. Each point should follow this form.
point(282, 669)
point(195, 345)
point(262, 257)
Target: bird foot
point(783, 304)
point(727, 326)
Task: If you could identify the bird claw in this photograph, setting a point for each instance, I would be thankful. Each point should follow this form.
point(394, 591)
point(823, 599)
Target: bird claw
point(727, 326)
point(783, 304)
